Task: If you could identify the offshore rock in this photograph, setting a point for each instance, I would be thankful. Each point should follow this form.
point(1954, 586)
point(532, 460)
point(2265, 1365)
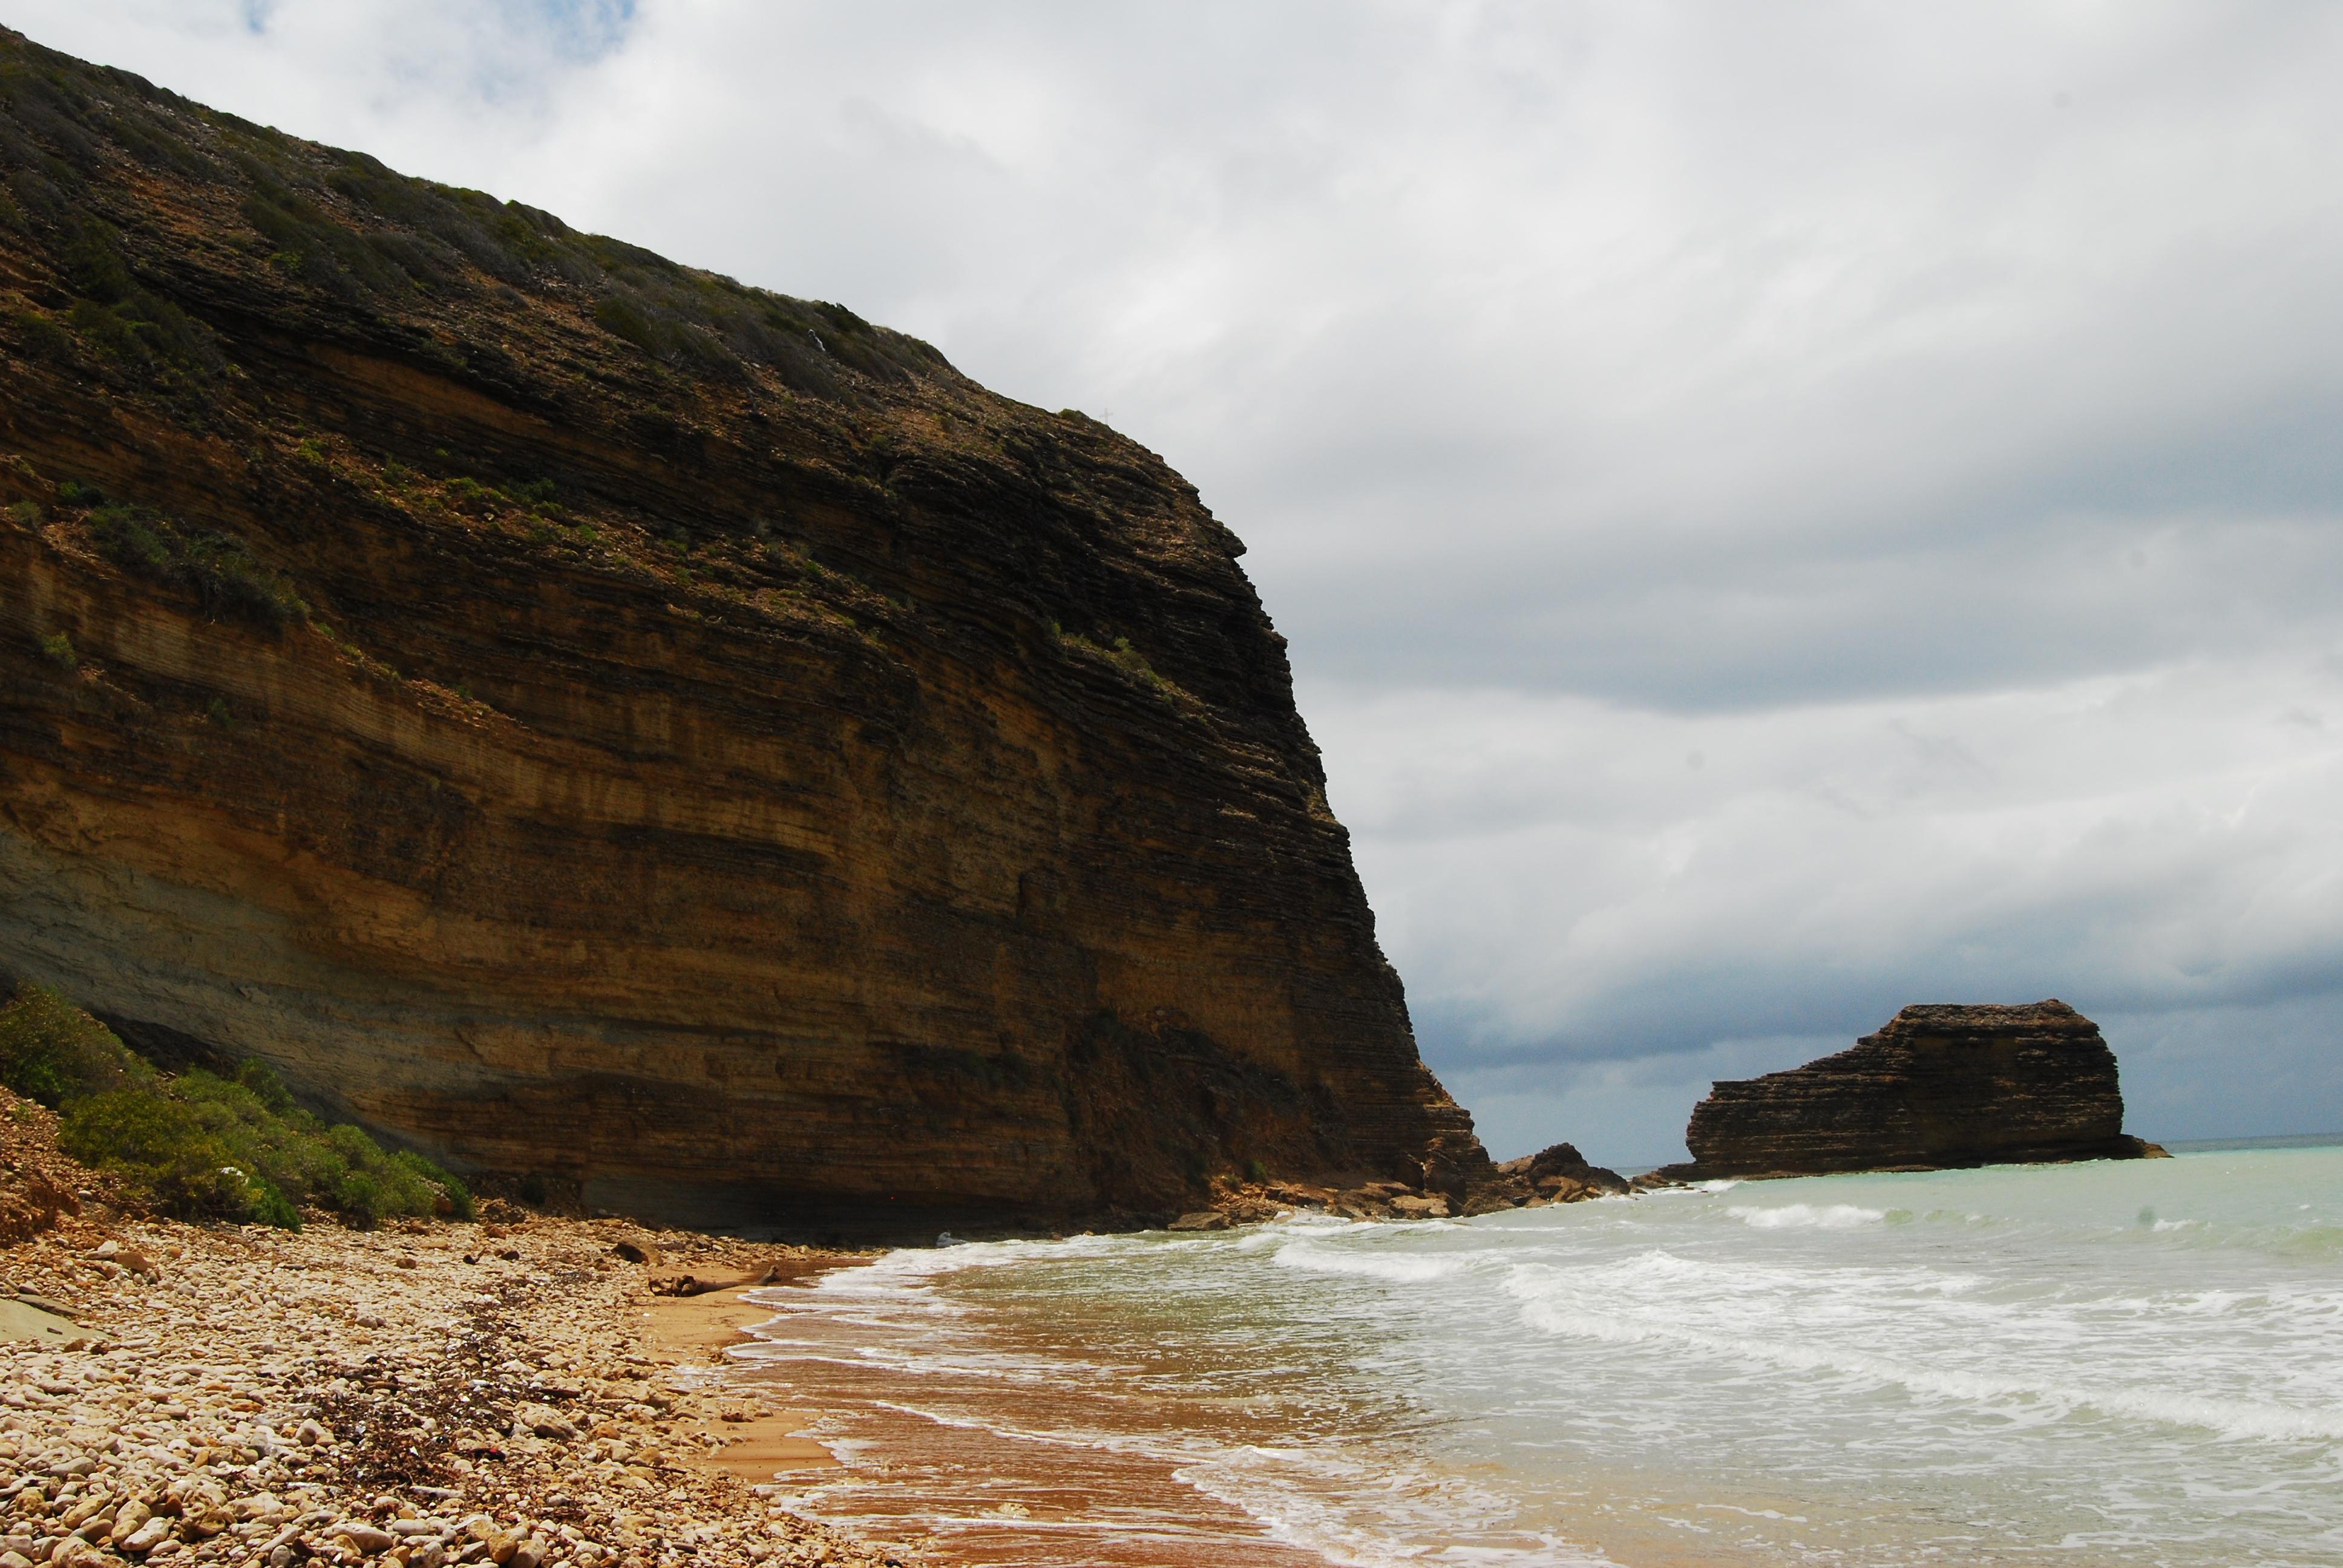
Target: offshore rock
point(1559, 1174)
point(661, 740)
point(1942, 1087)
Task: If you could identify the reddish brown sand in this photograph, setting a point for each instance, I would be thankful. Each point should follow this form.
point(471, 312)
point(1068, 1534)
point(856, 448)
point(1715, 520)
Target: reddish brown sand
point(760, 1439)
point(965, 1495)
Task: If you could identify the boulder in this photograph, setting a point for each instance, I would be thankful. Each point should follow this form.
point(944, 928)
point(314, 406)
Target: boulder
point(1555, 1175)
point(544, 1420)
point(364, 1536)
point(1942, 1086)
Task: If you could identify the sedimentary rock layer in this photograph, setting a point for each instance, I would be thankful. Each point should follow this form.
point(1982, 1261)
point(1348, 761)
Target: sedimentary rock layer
point(587, 718)
point(1941, 1087)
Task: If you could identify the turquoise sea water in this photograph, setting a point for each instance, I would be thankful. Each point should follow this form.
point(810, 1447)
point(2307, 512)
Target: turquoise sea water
point(2136, 1362)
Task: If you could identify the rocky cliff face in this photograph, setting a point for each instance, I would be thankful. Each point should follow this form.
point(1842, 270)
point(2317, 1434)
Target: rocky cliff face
point(588, 717)
point(1941, 1087)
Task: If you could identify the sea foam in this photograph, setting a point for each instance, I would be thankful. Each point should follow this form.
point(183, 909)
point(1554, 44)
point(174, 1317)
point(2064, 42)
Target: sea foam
point(1821, 1217)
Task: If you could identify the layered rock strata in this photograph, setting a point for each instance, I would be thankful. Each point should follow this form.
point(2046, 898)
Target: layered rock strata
point(1940, 1087)
point(594, 721)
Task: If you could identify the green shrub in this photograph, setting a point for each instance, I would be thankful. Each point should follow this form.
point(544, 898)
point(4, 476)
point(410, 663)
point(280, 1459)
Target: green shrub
point(52, 1052)
point(126, 538)
point(469, 492)
point(94, 264)
point(1123, 656)
point(201, 1146)
point(1131, 661)
point(621, 318)
point(270, 1207)
point(261, 1081)
point(448, 1194)
point(44, 338)
point(359, 1198)
point(25, 513)
point(221, 572)
point(121, 319)
point(163, 1147)
point(58, 649)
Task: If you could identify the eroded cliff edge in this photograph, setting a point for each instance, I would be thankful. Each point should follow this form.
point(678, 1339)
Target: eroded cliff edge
point(586, 716)
point(1941, 1087)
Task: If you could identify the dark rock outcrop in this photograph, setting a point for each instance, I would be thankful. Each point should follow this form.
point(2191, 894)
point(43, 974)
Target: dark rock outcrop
point(1942, 1087)
point(601, 723)
point(1559, 1174)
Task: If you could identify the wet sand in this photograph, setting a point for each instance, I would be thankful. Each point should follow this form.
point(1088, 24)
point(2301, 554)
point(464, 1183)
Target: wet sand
point(760, 1439)
point(973, 1494)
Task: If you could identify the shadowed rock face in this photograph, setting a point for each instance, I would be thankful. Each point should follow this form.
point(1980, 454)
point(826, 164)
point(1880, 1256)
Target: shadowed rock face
point(1940, 1087)
point(583, 716)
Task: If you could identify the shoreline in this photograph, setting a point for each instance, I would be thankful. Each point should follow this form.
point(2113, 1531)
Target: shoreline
point(760, 1440)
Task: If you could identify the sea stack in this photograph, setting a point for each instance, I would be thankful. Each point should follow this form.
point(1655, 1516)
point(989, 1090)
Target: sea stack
point(639, 734)
point(1943, 1086)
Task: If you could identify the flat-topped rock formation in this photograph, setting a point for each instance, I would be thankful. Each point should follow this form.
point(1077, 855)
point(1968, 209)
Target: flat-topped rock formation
point(608, 724)
point(1941, 1087)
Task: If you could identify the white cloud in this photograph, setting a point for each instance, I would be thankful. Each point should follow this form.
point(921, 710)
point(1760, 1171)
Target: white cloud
point(1925, 416)
point(1578, 883)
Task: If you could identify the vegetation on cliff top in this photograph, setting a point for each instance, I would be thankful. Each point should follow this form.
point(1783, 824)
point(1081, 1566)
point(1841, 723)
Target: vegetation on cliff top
point(200, 1146)
point(342, 225)
point(333, 244)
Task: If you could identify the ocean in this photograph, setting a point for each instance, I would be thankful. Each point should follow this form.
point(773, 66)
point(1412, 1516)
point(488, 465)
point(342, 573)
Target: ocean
point(2115, 1362)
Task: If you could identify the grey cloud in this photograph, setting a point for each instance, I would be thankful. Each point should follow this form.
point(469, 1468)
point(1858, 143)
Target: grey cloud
point(1685, 623)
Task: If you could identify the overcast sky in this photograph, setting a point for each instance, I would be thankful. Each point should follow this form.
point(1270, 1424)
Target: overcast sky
point(1781, 511)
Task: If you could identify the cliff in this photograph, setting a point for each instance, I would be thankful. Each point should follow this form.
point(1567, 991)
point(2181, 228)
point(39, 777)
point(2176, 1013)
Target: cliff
point(594, 721)
point(1941, 1087)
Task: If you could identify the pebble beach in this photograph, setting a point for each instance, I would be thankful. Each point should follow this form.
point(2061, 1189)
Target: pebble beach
point(512, 1391)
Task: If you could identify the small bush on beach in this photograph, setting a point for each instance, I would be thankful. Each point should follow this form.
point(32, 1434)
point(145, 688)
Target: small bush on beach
point(166, 1150)
point(201, 1146)
point(52, 1052)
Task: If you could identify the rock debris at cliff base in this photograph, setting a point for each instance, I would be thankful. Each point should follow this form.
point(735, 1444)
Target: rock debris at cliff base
point(440, 1394)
